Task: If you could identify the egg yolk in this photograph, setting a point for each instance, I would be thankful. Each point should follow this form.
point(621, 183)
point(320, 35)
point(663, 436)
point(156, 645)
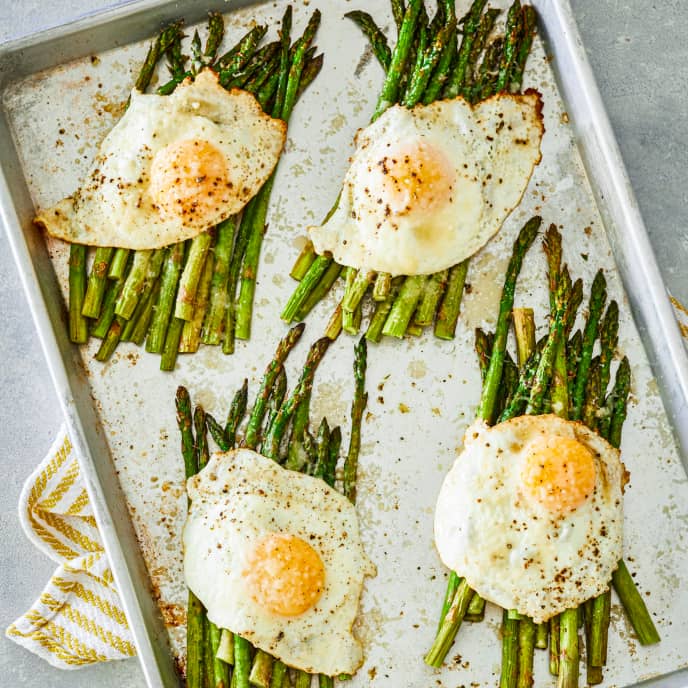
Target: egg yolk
point(559, 473)
point(285, 575)
point(414, 177)
point(189, 179)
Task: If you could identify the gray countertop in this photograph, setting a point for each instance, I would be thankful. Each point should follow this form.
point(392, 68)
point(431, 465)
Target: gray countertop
point(637, 50)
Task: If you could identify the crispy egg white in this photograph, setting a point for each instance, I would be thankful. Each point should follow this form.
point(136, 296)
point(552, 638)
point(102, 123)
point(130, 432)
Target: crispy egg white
point(172, 167)
point(531, 514)
point(428, 186)
point(276, 556)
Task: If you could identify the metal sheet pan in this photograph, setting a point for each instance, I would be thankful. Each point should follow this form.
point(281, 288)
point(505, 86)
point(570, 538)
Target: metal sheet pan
point(121, 414)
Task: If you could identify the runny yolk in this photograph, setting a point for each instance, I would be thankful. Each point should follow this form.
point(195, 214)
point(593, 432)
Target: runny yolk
point(189, 179)
point(414, 177)
point(284, 575)
point(559, 473)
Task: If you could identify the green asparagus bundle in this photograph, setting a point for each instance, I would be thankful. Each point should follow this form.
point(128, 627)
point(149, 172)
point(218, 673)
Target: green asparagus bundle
point(280, 427)
point(428, 62)
point(201, 290)
point(557, 374)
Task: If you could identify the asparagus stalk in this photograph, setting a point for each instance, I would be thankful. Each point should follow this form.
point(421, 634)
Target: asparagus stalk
point(143, 319)
point(171, 347)
point(303, 261)
point(382, 309)
point(377, 39)
point(430, 298)
point(195, 670)
point(271, 442)
point(510, 652)
point(450, 624)
point(524, 329)
point(251, 437)
point(236, 413)
point(78, 326)
point(554, 636)
point(528, 27)
point(306, 285)
point(494, 375)
point(144, 304)
point(598, 295)
point(191, 275)
point(400, 56)
point(448, 314)
point(168, 289)
point(107, 312)
point(357, 407)
point(118, 265)
point(470, 26)
point(215, 316)
point(133, 284)
point(97, 282)
point(322, 288)
point(191, 333)
point(526, 647)
point(111, 340)
point(404, 306)
point(514, 20)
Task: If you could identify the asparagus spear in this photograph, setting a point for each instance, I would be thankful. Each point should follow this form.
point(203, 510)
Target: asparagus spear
point(107, 312)
point(382, 309)
point(528, 26)
point(191, 275)
point(303, 261)
point(215, 316)
point(191, 332)
point(457, 77)
point(510, 642)
point(598, 295)
point(133, 284)
point(271, 442)
point(450, 623)
point(236, 414)
point(357, 407)
point(524, 329)
point(514, 21)
point(322, 288)
point(257, 414)
point(195, 670)
point(377, 39)
point(119, 263)
point(78, 326)
point(144, 303)
point(404, 306)
point(97, 282)
point(494, 375)
point(308, 282)
point(526, 646)
point(168, 289)
point(400, 56)
point(449, 627)
point(448, 314)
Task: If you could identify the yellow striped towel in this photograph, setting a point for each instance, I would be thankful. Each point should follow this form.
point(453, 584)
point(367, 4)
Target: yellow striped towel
point(78, 619)
point(681, 315)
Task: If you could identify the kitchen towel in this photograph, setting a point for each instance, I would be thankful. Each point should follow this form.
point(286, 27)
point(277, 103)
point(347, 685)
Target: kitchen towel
point(78, 619)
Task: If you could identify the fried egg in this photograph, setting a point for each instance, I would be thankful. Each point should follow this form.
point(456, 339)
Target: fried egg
point(276, 557)
point(531, 514)
point(171, 168)
point(428, 186)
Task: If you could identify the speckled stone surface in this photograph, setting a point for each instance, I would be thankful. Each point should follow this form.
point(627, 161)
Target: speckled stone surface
point(637, 51)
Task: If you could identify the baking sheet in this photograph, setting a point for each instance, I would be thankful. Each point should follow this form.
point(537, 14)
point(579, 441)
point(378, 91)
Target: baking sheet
point(422, 391)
